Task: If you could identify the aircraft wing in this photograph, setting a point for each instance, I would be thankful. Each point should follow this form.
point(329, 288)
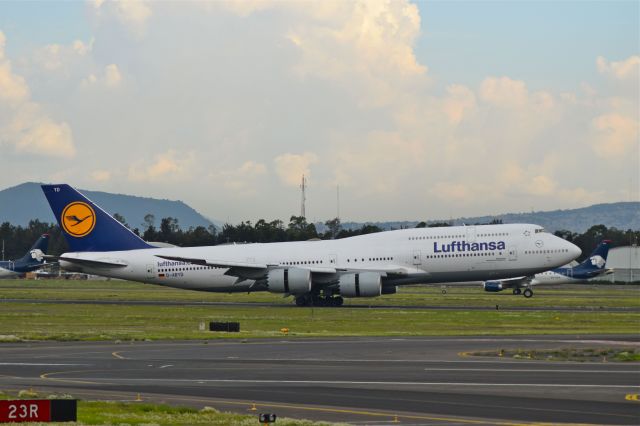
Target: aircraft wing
point(256, 271)
point(517, 282)
point(384, 270)
point(242, 270)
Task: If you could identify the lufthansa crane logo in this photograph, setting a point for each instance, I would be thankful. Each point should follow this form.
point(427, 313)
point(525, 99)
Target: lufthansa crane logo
point(78, 219)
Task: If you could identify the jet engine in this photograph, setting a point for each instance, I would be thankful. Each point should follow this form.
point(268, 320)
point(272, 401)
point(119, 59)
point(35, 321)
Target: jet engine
point(365, 284)
point(291, 281)
point(493, 286)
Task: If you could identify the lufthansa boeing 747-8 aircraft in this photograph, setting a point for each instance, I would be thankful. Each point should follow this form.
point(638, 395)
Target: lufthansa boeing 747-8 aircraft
point(314, 272)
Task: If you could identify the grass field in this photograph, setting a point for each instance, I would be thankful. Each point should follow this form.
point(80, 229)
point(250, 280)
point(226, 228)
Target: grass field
point(570, 354)
point(52, 321)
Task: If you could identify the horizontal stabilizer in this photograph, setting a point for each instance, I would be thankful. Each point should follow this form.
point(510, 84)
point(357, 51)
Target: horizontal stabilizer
point(95, 263)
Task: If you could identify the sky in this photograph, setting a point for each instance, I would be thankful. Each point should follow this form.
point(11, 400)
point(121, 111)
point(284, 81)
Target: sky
point(415, 110)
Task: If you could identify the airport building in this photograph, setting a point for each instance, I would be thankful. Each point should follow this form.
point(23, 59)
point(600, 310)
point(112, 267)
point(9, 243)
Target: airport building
point(625, 262)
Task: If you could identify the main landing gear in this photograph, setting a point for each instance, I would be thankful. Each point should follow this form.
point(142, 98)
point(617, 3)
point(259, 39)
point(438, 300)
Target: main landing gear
point(526, 293)
point(317, 300)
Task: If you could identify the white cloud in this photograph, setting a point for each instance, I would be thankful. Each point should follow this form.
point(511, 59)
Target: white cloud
point(13, 88)
point(541, 185)
point(23, 123)
point(30, 131)
point(617, 135)
point(460, 101)
point(504, 92)
point(625, 69)
point(243, 180)
point(110, 77)
point(133, 14)
point(3, 43)
point(169, 165)
point(378, 163)
point(57, 57)
point(291, 167)
point(452, 191)
point(365, 46)
point(243, 7)
point(101, 175)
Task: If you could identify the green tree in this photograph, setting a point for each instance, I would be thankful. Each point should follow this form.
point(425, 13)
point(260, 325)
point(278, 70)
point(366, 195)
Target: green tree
point(334, 227)
point(121, 219)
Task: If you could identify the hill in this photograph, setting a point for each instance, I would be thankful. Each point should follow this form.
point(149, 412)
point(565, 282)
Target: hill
point(622, 215)
point(24, 202)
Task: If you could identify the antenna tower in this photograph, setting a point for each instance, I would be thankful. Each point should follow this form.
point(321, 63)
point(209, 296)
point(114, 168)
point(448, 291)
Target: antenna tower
point(338, 201)
point(303, 187)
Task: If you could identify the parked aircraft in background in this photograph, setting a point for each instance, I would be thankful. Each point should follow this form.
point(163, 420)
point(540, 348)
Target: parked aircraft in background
point(31, 261)
point(590, 268)
point(314, 272)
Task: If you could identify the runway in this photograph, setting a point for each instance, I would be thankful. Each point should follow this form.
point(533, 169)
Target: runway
point(293, 306)
point(360, 380)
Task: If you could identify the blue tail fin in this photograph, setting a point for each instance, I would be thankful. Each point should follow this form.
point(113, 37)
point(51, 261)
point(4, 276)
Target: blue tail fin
point(34, 255)
point(597, 259)
point(85, 225)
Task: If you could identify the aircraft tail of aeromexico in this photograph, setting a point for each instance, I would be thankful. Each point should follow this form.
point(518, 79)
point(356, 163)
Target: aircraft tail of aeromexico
point(314, 272)
point(592, 267)
point(31, 261)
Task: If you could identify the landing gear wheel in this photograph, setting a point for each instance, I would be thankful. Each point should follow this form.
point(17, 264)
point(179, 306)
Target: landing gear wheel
point(528, 293)
point(444, 291)
point(517, 291)
point(338, 301)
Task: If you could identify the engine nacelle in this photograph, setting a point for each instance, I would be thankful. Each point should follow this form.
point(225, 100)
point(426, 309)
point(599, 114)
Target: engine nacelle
point(291, 281)
point(493, 286)
point(365, 284)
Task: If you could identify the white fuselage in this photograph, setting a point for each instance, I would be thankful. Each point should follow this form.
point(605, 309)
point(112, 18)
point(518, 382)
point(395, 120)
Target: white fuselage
point(8, 272)
point(551, 277)
point(446, 254)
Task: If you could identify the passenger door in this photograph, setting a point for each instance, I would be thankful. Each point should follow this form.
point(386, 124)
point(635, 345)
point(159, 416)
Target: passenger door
point(417, 258)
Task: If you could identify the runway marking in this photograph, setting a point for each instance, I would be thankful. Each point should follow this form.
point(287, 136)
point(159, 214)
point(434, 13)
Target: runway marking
point(165, 366)
point(347, 382)
point(354, 412)
point(45, 376)
point(116, 354)
point(632, 397)
point(534, 370)
point(37, 364)
point(423, 361)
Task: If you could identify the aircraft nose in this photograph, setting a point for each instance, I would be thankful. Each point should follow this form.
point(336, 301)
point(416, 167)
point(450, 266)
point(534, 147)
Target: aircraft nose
point(574, 250)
